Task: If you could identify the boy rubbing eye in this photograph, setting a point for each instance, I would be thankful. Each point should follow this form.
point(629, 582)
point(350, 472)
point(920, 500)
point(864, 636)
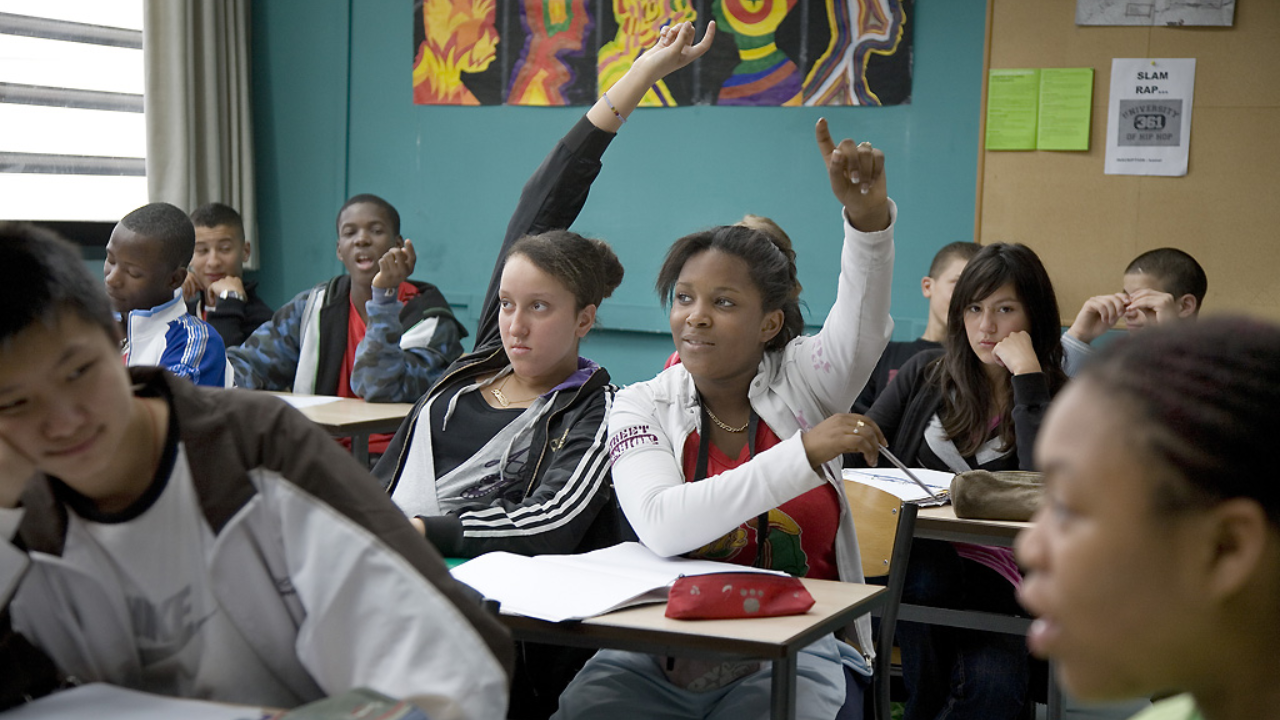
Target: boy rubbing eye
point(1160, 287)
point(215, 288)
point(145, 267)
point(201, 542)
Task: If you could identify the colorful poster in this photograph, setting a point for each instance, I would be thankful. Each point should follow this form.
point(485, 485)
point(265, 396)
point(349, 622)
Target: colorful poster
point(1149, 116)
point(567, 52)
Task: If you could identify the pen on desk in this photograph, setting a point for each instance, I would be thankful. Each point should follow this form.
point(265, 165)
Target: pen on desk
point(898, 463)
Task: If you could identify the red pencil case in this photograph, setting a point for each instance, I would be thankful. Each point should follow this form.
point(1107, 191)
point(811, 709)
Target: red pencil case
point(737, 595)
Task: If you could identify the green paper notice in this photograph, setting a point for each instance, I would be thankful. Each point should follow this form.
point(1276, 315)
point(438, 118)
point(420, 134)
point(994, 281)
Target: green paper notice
point(1012, 99)
point(1066, 97)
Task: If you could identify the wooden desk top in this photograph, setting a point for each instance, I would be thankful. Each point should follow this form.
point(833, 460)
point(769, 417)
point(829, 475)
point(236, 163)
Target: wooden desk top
point(647, 629)
point(348, 416)
point(941, 523)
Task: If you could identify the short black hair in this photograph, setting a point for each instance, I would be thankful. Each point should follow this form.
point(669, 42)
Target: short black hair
point(214, 214)
point(952, 251)
point(170, 226)
point(392, 216)
point(1178, 273)
point(41, 276)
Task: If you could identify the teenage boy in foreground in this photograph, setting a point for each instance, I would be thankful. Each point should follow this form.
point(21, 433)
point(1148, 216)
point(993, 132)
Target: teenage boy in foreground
point(198, 542)
point(215, 289)
point(1161, 286)
point(145, 267)
point(370, 333)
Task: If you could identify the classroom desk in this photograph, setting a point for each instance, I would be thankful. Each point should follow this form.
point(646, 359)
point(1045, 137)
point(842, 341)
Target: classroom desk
point(646, 629)
point(941, 523)
point(356, 419)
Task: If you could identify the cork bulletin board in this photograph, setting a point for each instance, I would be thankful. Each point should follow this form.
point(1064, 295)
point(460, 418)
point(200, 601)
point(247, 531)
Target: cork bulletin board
point(1086, 225)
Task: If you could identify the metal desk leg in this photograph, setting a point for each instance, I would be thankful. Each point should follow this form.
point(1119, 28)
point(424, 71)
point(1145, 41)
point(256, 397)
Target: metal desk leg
point(783, 700)
point(360, 448)
point(1057, 703)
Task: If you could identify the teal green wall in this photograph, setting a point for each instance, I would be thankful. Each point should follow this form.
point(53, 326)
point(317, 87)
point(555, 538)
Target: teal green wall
point(334, 117)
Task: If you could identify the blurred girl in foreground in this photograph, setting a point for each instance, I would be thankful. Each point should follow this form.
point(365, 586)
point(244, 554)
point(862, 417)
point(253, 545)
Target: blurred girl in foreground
point(1155, 563)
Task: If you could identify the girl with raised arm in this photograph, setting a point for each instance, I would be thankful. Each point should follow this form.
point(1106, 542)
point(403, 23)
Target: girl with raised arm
point(507, 451)
point(734, 454)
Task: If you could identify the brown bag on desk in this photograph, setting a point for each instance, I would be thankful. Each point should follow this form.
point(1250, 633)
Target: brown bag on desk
point(1007, 495)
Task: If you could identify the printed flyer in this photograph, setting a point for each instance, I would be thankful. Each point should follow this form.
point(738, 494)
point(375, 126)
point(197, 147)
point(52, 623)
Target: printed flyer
point(1149, 117)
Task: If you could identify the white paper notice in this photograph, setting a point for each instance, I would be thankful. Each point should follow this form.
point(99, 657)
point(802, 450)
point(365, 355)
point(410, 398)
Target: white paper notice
point(1156, 12)
point(1149, 118)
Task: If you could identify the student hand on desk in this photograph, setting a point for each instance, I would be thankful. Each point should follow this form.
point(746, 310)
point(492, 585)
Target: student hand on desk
point(15, 470)
point(843, 433)
point(1098, 315)
point(1017, 354)
point(857, 179)
point(395, 266)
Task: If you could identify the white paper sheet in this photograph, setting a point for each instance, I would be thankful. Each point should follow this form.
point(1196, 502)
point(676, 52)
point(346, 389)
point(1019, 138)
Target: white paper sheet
point(305, 401)
point(896, 483)
point(1149, 116)
point(108, 702)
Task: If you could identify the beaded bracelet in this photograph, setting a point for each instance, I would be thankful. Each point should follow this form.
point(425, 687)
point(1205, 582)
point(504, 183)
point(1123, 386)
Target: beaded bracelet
point(617, 114)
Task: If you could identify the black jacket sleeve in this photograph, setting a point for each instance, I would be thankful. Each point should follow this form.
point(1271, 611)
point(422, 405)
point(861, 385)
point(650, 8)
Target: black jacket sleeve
point(550, 200)
point(1030, 402)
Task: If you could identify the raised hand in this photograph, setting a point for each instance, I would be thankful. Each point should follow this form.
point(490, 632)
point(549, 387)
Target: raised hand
point(395, 266)
point(843, 433)
point(857, 179)
point(1098, 314)
point(1017, 354)
point(675, 49)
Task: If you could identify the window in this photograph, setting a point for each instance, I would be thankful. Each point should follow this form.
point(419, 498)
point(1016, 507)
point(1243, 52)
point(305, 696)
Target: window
point(73, 144)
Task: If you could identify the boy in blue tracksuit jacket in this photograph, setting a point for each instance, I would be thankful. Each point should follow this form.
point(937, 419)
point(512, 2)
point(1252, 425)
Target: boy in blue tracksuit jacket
point(146, 264)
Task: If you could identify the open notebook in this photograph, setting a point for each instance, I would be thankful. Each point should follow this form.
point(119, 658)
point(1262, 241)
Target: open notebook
point(575, 587)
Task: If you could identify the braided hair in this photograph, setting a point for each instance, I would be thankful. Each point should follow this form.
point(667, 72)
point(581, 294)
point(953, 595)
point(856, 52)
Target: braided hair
point(1206, 402)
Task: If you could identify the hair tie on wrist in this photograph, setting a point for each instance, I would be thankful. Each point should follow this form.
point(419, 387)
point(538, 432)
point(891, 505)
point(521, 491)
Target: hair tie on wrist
point(616, 114)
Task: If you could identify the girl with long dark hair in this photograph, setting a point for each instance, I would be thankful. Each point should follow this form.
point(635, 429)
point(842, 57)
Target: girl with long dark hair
point(976, 404)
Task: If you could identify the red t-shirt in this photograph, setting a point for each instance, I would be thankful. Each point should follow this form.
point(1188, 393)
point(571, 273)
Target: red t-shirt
point(355, 333)
point(802, 531)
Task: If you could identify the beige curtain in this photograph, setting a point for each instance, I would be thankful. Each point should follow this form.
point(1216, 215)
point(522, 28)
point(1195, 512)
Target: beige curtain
point(198, 109)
